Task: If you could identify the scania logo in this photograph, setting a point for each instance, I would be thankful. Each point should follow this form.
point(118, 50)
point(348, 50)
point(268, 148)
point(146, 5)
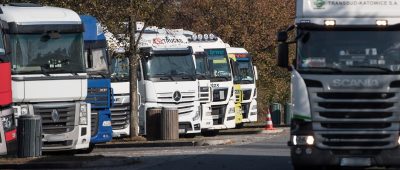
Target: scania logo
point(177, 96)
point(319, 4)
point(55, 116)
point(355, 83)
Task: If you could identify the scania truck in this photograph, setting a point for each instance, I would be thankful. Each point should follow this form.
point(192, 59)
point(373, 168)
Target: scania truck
point(100, 94)
point(8, 143)
point(219, 68)
point(167, 78)
point(48, 72)
point(345, 83)
point(244, 78)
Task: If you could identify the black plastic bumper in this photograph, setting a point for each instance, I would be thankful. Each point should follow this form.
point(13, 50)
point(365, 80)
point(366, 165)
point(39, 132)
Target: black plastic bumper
point(319, 157)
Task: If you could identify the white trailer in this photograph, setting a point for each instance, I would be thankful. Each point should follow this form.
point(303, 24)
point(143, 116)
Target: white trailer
point(48, 72)
point(345, 83)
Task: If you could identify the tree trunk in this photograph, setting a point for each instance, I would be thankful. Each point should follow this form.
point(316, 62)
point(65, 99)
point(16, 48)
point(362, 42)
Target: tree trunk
point(134, 129)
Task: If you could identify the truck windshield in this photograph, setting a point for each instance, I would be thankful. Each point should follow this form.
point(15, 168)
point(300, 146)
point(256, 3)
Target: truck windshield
point(219, 65)
point(243, 72)
point(201, 66)
point(349, 51)
point(120, 69)
point(96, 61)
point(169, 66)
point(47, 53)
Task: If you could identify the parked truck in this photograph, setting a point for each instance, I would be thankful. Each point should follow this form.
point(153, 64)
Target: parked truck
point(120, 112)
point(167, 77)
point(345, 83)
point(205, 92)
point(244, 79)
point(8, 143)
point(48, 72)
point(219, 68)
point(100, 94)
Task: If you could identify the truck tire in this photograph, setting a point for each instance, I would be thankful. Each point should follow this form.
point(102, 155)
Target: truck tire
point(88, 150)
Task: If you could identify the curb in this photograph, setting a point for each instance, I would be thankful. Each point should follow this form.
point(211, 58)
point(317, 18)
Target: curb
point(215, 142)
point(272, 131)
point(98, 163)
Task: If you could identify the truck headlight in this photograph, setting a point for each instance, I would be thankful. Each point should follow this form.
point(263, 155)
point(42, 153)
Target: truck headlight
point(83, 114)
point(83, 121)
point(24, 110)
point(197, 116)
point(303, 140)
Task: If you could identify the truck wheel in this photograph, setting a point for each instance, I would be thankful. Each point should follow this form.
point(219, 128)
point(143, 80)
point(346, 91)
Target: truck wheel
point(210, 133)
point(88, 150)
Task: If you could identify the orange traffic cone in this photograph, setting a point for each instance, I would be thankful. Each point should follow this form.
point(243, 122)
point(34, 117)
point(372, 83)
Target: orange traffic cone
point(269, 125)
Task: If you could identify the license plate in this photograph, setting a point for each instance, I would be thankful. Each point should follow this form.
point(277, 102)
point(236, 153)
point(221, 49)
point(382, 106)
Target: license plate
point(215, 116)
point(355, 162)
point(182, 131)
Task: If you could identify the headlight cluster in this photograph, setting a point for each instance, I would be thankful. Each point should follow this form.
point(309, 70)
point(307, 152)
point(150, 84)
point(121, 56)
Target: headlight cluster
point(303, 140)
point(83, 114)
point(8, 122)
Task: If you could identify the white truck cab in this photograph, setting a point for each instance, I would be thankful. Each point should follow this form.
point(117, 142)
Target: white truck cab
point(166, 77)
point(48, 72)
point(245, 76)
point(223, 98)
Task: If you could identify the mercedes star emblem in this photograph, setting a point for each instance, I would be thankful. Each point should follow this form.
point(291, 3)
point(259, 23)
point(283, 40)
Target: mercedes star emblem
point(55, 116)
point(177, 96)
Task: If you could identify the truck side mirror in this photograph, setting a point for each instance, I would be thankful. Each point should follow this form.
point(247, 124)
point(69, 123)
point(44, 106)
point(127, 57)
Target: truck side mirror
point(255, 73)
point(282, 36)
point(7, 44)
point(283, 55)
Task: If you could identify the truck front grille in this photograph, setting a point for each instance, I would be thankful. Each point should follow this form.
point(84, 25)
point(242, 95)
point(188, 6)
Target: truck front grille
point(246, 94)
point(246, 110)
point(56, 119)
point(120, 116)
point(98, 97)
point(184, 105)
point(354, 119)
point(218, 114)
point(94, 123)
point(220, 94)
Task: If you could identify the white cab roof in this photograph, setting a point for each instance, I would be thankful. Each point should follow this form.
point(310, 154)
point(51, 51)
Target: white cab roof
point(236, 50)
point(345, 12)
point(39, 15)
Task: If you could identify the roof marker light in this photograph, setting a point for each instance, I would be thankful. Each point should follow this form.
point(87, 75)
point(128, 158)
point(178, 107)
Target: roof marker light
point(330, 22)
point(381, 22)
point(200, 37)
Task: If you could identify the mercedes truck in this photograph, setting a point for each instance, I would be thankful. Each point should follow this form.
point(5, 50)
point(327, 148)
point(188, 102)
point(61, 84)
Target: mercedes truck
point(167, 77)
point(48, 72)
point(99, 94)
point(345, 83)
point(219, 68)
point(8, 143)
point(244, 79)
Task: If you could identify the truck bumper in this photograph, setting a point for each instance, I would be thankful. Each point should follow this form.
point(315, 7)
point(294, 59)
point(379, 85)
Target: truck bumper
point(312, 156)
point(250, 114)
point(104, 129)
point(229, 118)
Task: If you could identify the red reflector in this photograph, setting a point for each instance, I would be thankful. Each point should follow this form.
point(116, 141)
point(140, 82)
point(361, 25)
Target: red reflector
point(11, 135)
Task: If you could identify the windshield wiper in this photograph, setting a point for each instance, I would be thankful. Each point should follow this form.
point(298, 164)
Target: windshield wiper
point(164, 76)
point(375, 67)
point(322, 69)
point(44, 69)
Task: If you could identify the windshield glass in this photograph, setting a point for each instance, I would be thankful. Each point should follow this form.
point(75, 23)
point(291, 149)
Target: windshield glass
point(201, 66)
point(120, 69)
point(44, 53)
point(219, 64)
point(96, 60)
point(349, 51)
point(157, 66)
point(243, 72)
